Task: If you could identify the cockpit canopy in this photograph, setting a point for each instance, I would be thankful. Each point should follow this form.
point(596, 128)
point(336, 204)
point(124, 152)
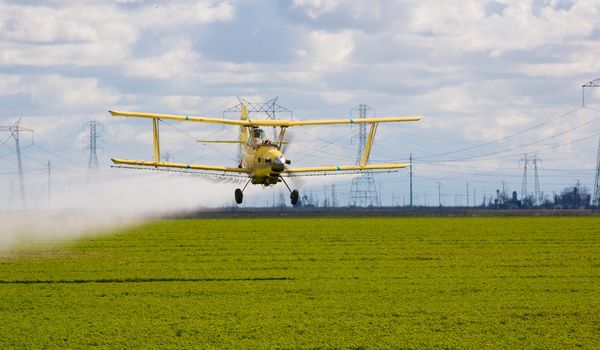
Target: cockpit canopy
point(259, 133)
point(258, 137)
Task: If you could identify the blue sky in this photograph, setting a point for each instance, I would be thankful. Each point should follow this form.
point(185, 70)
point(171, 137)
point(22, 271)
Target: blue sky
point(493, 79)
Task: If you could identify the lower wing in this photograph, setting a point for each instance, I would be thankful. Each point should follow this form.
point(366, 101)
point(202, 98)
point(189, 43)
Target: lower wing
point(212, 168)
point(347, 168)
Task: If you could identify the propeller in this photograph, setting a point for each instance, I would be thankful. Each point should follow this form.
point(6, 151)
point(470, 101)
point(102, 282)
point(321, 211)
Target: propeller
point(289, 138)
point(296, 181)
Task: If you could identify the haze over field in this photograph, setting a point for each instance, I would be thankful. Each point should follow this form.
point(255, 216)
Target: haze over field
point(83, 205)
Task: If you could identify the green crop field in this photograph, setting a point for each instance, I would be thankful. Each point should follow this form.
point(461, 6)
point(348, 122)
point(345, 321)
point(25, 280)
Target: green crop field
point(439, 283)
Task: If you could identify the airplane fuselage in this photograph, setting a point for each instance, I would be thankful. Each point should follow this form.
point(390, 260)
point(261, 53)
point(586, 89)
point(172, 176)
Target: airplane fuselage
point(267, 162)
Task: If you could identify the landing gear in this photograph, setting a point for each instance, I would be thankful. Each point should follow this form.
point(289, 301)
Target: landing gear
point(294, 197)
point(239, 194)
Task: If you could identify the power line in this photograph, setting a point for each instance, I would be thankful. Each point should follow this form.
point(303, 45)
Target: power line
point(480, 157)
point(503, 137)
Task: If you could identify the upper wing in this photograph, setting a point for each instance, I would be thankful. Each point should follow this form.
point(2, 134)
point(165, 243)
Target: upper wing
point(181, 166)
point(335, 168)
point(264, 122)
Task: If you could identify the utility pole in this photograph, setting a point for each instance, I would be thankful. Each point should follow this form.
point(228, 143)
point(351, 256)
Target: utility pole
point(439, 194)
point(467, 193)
point(411, 181)
point(596, 199)
point(15, 131)
point(333, 199)
point(49, 184)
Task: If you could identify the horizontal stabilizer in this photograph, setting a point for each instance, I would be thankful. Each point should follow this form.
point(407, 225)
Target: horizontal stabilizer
point(219, 141)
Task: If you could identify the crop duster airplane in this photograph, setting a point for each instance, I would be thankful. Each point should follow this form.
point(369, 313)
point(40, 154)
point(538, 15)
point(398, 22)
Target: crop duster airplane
point(261, 159)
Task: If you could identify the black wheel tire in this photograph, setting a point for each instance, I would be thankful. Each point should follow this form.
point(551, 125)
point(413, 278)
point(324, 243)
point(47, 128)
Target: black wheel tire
point(239, 196)
point(294, 197)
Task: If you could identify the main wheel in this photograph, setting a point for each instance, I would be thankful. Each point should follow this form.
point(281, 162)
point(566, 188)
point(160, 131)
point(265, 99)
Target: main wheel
point(239, 196)
point(294, 197)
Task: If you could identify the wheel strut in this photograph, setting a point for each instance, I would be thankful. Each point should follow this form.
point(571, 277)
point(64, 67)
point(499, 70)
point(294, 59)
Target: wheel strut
point(294, 195)
point(285, 183)
point(239, 194)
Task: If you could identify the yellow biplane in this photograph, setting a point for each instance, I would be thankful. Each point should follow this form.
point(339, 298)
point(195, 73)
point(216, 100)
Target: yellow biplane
point(261, 159)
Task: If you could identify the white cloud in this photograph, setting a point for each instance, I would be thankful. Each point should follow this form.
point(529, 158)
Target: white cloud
point(11, 85)
point(329, 52)
point(177, 60)
point(65, 93)
point(464, 26)
point(457, 99)
point(92, 33)
point(316, 8)
point(338, 96)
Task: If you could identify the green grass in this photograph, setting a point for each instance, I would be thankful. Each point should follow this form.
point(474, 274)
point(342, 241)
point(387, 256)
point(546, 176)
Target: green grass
point(312, 283)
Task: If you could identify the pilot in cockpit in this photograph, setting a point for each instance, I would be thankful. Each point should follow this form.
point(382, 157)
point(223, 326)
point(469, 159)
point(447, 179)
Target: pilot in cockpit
point(260, 136)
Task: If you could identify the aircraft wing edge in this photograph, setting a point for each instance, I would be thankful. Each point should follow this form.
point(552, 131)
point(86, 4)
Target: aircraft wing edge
point(264, 122)
point(180, 166)
point(342, 168)
point(347, 121)
point(115, 113)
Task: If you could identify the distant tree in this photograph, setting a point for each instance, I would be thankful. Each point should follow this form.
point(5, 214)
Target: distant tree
point(573, 198)
point(514, 201)
point(528, 201)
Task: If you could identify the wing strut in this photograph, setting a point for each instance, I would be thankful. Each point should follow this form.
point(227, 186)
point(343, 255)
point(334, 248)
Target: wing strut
point(281, 135)
point(364, 159)
point(156, 140)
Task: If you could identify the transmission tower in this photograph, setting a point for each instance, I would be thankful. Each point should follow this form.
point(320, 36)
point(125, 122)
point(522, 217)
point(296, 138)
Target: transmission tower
point(92, 144)
point(15, 131)
point(167, 157)
point(363, 192)
point(270, 109)
point(525, 161)
point(592, 84)
point(596, 199)
point(537, 199)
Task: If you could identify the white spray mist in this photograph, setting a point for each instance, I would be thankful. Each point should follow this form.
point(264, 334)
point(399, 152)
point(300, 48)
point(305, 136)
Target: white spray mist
point(81, 204)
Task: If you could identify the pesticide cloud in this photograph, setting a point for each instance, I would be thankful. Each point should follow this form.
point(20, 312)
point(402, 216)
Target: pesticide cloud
point(84, 204)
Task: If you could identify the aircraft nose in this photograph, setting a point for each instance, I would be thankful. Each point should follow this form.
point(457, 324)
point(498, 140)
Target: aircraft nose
point(278, 164)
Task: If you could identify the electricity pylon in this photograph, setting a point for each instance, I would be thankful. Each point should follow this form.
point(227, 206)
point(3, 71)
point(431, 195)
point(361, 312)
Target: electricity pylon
point(15, 131)
point(363, 192)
